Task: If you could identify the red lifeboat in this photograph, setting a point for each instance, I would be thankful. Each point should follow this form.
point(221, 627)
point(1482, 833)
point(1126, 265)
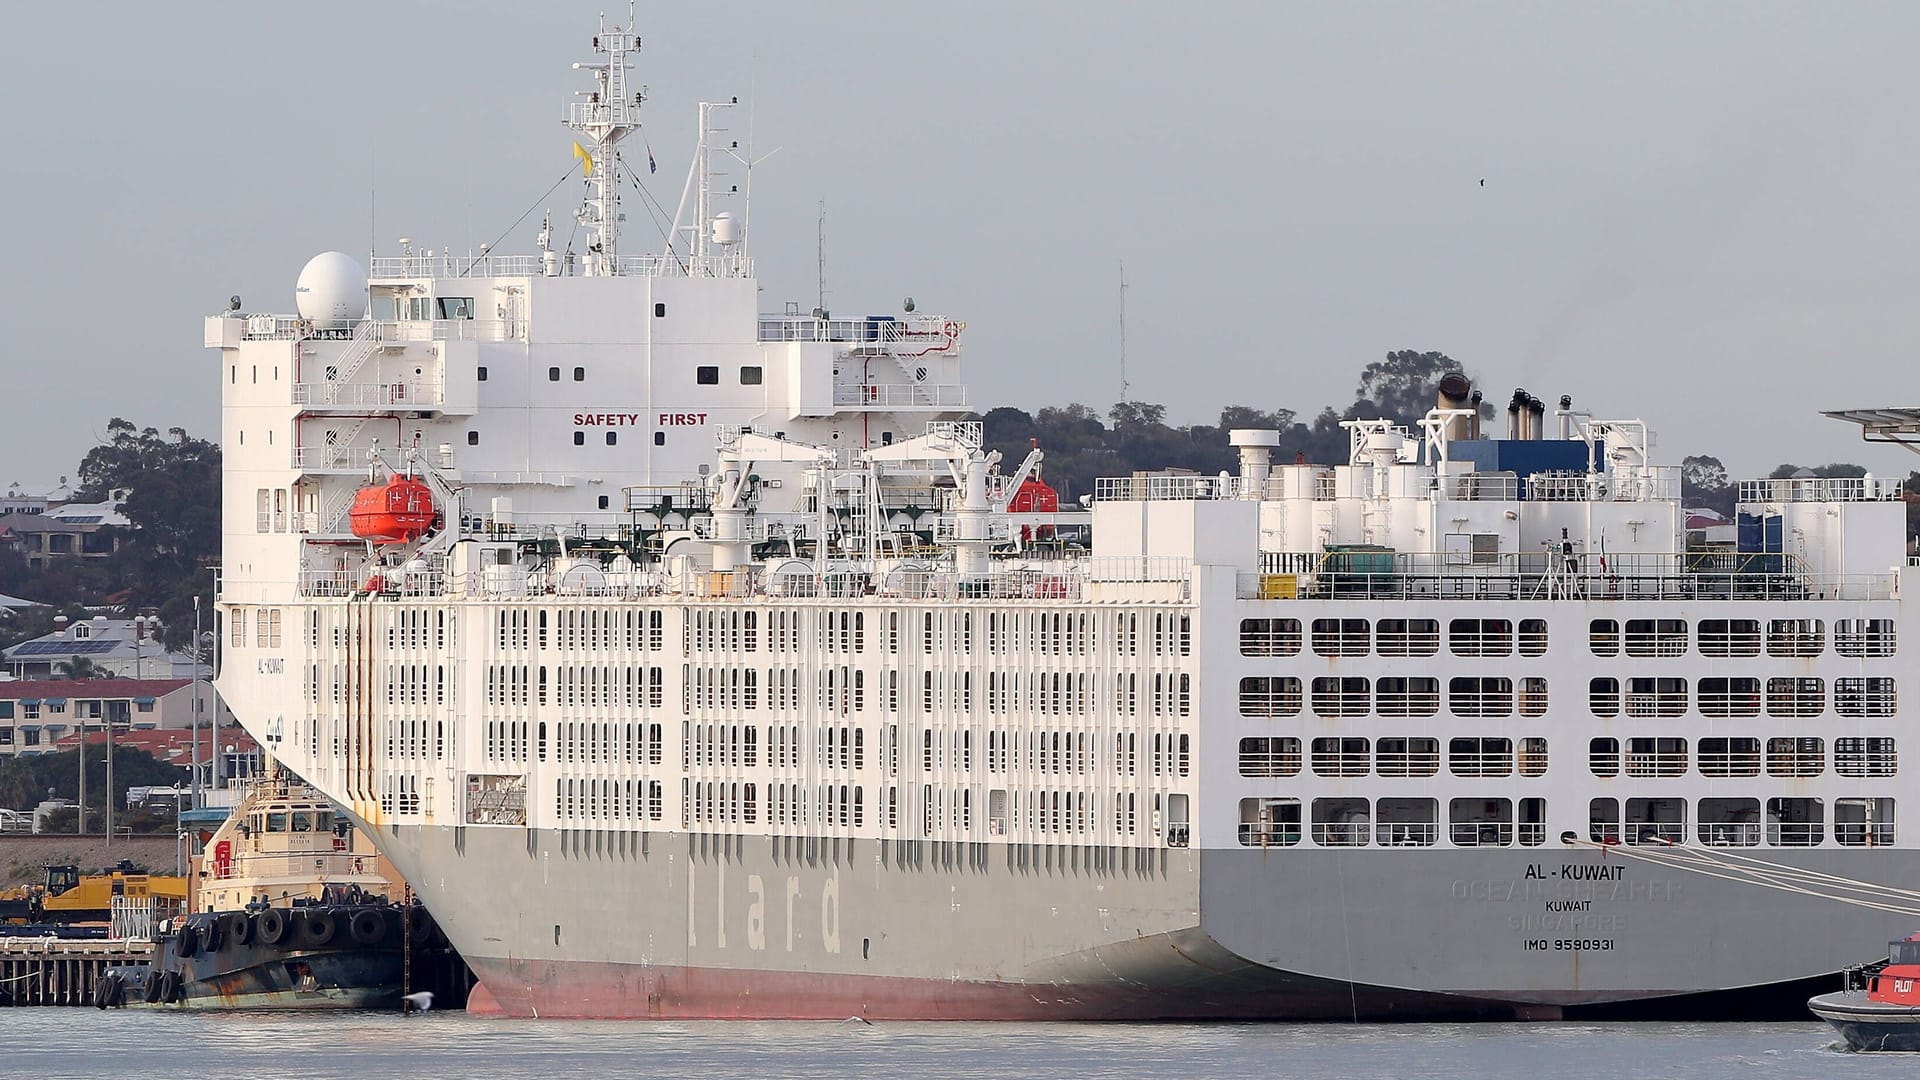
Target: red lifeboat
point(1034, 496)
point(396, 512)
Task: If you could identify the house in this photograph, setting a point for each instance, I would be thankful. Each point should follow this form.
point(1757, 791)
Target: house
point(125, 648)
point(46, 530)
point(35, 714)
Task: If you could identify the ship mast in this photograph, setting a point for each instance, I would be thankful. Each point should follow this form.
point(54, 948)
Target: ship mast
point(610, 113)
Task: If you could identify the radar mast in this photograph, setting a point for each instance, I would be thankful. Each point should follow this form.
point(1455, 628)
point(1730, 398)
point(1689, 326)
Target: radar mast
point(610, 113)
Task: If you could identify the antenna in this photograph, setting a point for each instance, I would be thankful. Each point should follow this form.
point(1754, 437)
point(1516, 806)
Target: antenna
point(610, 113)
point(820, 260)
point(1125, 397)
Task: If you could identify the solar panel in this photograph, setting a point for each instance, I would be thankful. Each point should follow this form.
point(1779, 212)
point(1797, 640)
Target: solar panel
point(83, 519)
point(64, 648)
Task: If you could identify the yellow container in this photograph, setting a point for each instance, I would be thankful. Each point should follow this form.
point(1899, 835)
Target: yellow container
point(1279, 586)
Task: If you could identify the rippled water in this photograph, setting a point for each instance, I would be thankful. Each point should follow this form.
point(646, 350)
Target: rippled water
point(89, 1043)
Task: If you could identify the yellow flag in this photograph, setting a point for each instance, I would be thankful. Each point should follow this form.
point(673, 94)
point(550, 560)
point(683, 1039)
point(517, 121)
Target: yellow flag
point(581, 153)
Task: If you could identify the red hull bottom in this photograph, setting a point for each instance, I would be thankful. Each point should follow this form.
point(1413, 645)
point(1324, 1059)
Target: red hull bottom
point(576, 990)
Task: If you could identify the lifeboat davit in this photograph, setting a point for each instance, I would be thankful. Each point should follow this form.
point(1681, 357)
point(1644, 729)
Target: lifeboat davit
point(396, 512)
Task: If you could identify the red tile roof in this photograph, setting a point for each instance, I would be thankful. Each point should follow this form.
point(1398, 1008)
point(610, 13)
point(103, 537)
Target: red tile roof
point(15, 689)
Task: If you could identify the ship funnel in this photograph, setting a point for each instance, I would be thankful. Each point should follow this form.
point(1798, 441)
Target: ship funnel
point(1566, 416)
point(1453, 393)
point(1475, 399)
point(1517, 415)
point(1536, 418)
point(1256, 446)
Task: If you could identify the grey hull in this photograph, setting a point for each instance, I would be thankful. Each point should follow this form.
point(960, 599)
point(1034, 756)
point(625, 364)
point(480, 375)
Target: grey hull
point(677, 925)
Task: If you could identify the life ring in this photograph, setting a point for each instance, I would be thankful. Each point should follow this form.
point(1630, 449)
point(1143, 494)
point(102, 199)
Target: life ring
point(320, 928)
point(240, 928)
point(367, 927)
point(272, 925)
point(186, 940)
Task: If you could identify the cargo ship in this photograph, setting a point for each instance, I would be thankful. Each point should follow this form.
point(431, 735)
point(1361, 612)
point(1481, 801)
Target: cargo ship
point(694, 660)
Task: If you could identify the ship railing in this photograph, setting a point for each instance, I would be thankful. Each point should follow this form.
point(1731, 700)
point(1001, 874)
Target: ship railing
point(405, 394)
point(388, 582)
point(1474, 833)
point(322, 864)
point(1161, 487)
point(1822, 489)
point(418, 330)
point(901, 396)
point(910, 332)
point(1470, 575)
point(414, 267)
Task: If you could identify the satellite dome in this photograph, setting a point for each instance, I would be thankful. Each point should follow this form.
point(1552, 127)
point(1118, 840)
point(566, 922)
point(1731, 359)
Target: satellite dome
point(332, 291)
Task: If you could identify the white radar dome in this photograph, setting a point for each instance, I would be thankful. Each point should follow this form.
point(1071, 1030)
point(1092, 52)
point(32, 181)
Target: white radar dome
point(726, 229)
point(332, 291)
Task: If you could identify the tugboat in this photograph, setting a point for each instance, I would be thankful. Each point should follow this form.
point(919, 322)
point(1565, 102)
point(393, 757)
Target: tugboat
point(1885, 1015)
point(294, 909)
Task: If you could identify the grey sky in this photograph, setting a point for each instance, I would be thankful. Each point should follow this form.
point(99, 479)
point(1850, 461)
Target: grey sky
point(1699, 213)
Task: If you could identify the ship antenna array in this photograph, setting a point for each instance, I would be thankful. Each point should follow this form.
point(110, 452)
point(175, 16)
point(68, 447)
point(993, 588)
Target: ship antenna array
point(610, 113)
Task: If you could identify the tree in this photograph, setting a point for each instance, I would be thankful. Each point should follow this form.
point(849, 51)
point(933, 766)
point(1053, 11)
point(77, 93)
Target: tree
point(173, 503)
point(1825, 472)
point(1704, 483)
point(1401, 387)
point(78, 668)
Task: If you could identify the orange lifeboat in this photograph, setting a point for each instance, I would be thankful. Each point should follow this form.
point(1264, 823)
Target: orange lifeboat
point(396, 512)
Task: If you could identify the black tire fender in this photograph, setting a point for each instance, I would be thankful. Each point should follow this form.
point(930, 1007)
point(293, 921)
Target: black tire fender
point(272, 924)
point(367, 927)
point(321, 927)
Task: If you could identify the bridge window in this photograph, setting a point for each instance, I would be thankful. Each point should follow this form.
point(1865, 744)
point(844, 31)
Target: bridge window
point(707, 375)
point(751, 376)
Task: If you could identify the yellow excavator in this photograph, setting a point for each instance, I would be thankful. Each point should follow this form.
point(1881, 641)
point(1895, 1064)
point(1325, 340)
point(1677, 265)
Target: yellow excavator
point(69, 896)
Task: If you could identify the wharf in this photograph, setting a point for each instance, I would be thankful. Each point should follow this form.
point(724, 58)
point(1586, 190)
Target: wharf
point(47, 971)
